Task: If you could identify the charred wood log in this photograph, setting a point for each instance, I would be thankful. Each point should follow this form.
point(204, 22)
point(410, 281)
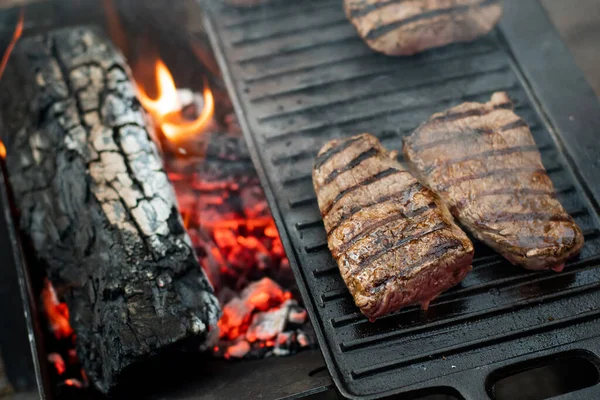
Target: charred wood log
point(97, 205)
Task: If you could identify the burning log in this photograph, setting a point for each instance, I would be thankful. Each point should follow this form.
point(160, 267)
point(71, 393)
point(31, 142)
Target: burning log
point(97, 205)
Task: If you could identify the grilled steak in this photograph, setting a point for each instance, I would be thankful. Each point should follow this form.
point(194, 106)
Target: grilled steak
point(245, 3)
point(482, 161)
point(406, 27)
point(394, 241)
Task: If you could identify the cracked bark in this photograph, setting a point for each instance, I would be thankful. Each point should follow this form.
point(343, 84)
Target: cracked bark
point(96, 202)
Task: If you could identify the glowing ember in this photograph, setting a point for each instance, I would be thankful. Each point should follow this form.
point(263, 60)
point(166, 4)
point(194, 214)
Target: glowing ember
point(2, 150)
point(259, 296)
point(166, 108)
point(58, 362)
point(74, 382)
point(226, 214)
point(263, 318)
point(56, 312)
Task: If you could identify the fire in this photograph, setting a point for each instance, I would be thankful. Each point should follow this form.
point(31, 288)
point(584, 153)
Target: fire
point(58, 363)
point(16, 35)
point(74, 382)
point(56, 312)
point(238, 314)
point(166, 108)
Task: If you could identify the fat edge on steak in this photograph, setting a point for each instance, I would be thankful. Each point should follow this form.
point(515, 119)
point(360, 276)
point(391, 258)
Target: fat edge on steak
point(394, 241)
point(482, 161)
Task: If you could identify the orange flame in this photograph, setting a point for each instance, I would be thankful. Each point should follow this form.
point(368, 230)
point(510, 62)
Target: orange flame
point(13, 41)
point(166, 108)
point(16, 35)
point(58, 362)
point(57, 312)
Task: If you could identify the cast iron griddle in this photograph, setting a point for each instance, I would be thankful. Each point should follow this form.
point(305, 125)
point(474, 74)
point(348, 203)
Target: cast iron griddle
point(299, 76)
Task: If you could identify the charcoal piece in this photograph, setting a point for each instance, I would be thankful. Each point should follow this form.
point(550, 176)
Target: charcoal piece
point(297, 316)
point(302, 339)
point(284, 343)
point(239, 349)
point(97, 205)
point(236, 314)
point(267, 325)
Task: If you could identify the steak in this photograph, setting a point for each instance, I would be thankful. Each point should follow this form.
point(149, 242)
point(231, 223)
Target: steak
point(406, 27)
point(394, 241)
point(483, 162)
point(245, 3)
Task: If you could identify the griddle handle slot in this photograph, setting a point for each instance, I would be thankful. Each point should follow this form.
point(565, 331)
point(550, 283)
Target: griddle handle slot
point(588, 393)
point(471, 385)
point(568, 375)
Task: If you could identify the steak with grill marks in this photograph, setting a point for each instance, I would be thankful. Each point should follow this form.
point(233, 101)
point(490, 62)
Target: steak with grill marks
point(246, 3)
point(483, 162)
point(394, 241)
point(406, 27)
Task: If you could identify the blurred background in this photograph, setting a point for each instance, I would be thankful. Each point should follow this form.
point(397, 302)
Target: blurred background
point(578, 22)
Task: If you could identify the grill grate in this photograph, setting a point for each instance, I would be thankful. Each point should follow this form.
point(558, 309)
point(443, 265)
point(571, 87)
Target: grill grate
point(300, 76)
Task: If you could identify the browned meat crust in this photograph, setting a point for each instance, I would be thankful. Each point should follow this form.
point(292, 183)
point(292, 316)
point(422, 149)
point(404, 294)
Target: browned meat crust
point(394, 241)
point(483, 162)
point(406, 27)
point(246, 3)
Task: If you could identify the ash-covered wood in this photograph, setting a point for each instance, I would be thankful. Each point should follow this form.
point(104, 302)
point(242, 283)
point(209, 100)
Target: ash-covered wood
point(96, 203)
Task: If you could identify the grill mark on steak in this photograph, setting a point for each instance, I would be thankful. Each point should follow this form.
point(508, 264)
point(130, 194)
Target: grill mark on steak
point(460, 205)
point(381, 30)
point(437, 252)
point(482, 155)
point(325, 156)
point(514, 208)
point(476, 112)
point(402, 195)
point(369, 8)
point(514, 125)
point(499, 171)
point(368, 181)
point(398, 244)
point(460, 135)
point(524, 217)
point(355, 162)
point(511, 191)
point(384, 218)
point(368, 229)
